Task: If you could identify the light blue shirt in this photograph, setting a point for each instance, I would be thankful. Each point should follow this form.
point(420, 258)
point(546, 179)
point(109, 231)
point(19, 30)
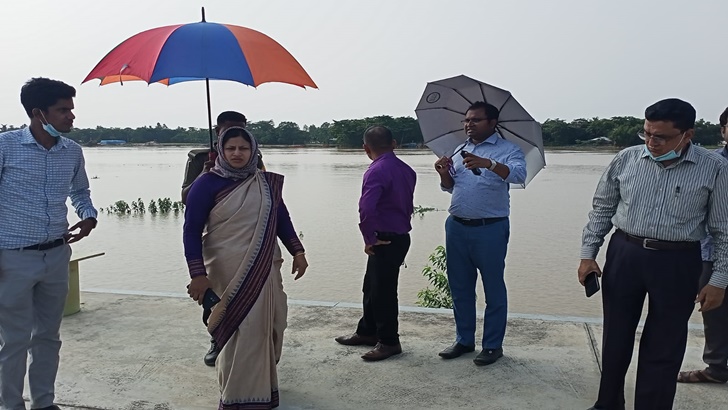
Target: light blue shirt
point(706, 245)
point(486, 195)
point(34, 185)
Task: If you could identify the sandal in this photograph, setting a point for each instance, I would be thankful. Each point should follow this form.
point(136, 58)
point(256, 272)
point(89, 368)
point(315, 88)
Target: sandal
point(697, 376)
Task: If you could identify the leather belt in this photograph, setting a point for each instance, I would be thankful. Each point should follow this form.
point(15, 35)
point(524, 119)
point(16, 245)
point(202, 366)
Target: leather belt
point(478, 222)
point(388, 234)
point(658, 245)
point(44, 246)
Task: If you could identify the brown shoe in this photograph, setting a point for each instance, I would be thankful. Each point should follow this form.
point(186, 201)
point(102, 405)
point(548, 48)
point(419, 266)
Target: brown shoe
point(381, 352)
point(355, 339)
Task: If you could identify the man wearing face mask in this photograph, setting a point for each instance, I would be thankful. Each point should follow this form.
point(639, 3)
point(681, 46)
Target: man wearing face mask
point(661, 197)
point(715, 322)
point(39, 170)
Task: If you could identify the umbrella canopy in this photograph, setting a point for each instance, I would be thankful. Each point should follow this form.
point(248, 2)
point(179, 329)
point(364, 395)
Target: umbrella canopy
point(443, 106)
point(200, 51)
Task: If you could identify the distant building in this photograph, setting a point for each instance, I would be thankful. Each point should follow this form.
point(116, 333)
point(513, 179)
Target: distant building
point(112, 142)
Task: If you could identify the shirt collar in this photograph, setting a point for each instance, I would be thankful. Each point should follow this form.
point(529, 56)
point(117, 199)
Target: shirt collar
point(26, 137)
point(383, 156)
point(723, 151)
point(493, 139)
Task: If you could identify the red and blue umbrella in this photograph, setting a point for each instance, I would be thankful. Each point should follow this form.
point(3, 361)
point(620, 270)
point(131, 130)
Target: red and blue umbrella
point(200, 51)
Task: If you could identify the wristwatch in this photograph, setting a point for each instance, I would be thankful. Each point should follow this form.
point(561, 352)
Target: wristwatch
point(492, 165)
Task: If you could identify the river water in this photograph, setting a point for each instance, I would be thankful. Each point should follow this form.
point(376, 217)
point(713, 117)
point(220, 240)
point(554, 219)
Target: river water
point(322, 187)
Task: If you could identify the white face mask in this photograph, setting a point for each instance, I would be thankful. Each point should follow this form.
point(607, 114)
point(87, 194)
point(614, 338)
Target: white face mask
point(49, 128)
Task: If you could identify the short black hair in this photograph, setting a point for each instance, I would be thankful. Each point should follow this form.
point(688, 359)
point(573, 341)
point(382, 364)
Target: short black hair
point(230, 116)
point(679, 112)
point(42, 93)
point(723, 120)
point(490, 110)
point(378, 137)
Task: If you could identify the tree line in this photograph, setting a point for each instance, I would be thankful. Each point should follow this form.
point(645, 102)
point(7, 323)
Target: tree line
point(615, 131)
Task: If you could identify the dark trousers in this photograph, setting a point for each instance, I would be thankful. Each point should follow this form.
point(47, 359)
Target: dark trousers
point(715, 324)
point(380, 290)
point(670, 278)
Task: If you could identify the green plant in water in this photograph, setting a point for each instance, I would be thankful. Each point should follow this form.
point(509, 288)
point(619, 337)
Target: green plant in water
point(421, 210)
point(153, 207)
point(160, 206)
point(119, 207)
point(438, 294)
point(164, 205)
point(138, 206)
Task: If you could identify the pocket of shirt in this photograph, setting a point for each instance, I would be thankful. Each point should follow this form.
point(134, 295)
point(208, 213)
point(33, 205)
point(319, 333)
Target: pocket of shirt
point(687, 202)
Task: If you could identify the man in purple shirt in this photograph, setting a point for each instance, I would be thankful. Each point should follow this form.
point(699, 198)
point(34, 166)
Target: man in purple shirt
point(385, 210)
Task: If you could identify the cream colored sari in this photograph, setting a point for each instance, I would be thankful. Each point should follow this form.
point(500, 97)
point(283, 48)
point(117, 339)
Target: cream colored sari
point(243, 262)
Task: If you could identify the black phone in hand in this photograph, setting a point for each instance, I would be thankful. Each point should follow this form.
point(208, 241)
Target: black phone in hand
point(476, 171)
point(591, 284)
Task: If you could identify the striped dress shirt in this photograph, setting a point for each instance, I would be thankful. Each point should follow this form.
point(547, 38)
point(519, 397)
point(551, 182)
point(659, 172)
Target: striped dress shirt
point(676, 203)
point(35, 183)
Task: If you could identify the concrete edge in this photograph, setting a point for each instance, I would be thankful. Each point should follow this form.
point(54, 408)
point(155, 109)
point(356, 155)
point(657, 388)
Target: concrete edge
point(414, 309)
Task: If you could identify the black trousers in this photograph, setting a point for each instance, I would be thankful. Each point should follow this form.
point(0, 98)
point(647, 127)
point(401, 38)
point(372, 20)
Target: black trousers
point(380, 290)
point(670, 278)
point(715, 325)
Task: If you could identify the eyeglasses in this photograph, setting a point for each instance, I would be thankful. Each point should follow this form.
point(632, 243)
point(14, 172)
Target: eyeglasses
point(657, 139)
point(473, 120)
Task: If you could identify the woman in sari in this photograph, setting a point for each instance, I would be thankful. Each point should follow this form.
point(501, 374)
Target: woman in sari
point(234, 215)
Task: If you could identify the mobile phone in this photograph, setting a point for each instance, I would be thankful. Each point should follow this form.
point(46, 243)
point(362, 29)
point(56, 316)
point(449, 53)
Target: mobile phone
point(476, 171)
point(208, 301)
point(591, 284)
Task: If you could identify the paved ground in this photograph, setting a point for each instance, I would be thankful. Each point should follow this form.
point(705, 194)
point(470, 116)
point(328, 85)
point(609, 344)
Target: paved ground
point(141, 352)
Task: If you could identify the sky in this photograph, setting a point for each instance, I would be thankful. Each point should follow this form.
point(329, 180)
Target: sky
point(560, 58)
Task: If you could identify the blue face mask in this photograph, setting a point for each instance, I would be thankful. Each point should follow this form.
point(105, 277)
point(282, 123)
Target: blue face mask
point(668, 156)
point(49, 128)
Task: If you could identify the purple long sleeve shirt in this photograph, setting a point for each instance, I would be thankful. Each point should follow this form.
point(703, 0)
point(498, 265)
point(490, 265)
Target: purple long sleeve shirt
point(201, 200)
point(387, 197)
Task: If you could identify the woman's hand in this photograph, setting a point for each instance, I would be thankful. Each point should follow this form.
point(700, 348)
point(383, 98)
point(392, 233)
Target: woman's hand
point(197, 288)
point(300, 264)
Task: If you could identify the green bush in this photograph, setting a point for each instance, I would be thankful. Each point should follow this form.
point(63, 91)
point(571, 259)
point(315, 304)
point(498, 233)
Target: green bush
point(438, 294)
point(160, 206)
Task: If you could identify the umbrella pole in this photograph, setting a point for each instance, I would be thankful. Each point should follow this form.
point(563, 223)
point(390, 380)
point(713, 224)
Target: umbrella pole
point(209, 111)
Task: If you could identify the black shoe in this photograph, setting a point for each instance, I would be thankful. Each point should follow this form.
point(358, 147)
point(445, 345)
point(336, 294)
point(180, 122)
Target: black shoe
point(53, 407)
point(456, 350)
point(488, 356)
point(211, 355)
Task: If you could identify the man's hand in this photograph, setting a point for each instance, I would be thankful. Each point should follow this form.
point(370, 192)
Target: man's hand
point(587, 266)
point(300, 264)
point(369, 249)
point(472, 161)
point(197, 288)
point(442, 165)
point(84, 228)
point(710, 297)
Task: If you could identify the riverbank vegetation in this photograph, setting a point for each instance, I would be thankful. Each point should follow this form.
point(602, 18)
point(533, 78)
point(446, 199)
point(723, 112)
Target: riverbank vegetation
point(594, 132)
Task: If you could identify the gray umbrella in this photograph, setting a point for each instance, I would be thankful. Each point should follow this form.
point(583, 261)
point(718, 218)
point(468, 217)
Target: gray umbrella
point(442, 108)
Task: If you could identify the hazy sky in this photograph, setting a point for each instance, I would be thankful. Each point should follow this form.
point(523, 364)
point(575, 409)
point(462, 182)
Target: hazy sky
point(560, 58)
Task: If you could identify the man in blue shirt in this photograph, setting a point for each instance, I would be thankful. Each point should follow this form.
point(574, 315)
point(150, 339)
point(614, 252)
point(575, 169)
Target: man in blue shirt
point(715, 322)
point(478, 229)
point(39, 170)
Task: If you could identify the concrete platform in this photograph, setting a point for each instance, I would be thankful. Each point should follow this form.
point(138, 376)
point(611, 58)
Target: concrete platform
point(142, 352)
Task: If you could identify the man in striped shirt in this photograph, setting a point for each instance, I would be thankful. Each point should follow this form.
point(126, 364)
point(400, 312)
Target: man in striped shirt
point(661, 197)
point(39, 170)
